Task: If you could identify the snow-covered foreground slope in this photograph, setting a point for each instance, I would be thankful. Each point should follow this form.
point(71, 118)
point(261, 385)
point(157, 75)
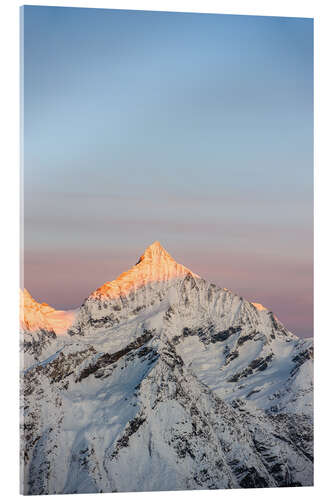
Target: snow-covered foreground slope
point(168, 382)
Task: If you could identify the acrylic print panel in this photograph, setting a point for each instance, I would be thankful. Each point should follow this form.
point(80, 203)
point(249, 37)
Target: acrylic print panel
point(147, 133)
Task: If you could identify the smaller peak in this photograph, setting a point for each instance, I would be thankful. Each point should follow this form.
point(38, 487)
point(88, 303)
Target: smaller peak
point(258, 306)
point(25, 297)
point(27, 300)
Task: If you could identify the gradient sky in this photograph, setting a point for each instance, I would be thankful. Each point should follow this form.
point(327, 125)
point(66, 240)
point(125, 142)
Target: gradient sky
point(192, 129)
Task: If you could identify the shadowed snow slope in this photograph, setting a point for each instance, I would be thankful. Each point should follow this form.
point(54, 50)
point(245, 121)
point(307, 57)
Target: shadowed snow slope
point(168, 382)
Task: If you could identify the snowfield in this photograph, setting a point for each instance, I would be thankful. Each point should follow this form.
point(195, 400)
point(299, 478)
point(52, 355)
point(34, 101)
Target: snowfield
point(164, 381)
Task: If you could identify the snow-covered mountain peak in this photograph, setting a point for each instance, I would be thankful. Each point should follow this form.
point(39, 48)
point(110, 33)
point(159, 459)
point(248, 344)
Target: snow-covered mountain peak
point(35, 316)
point(155, 252)
point(155, 265)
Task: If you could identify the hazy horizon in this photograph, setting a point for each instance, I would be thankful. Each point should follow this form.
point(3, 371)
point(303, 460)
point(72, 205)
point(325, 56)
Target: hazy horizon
point(195, 130)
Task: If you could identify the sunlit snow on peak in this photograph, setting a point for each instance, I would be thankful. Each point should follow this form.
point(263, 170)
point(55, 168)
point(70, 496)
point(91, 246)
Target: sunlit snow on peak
point(35, 316)
point(154, 265)
point(259, 306)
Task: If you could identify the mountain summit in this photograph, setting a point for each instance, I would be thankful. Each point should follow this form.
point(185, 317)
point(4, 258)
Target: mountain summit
point(154, 265)
point(155, 252)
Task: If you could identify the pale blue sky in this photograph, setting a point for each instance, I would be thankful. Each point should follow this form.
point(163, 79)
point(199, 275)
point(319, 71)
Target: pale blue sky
point(192, 129)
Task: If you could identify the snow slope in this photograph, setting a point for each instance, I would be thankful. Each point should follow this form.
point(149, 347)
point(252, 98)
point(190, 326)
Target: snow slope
point(168, 382)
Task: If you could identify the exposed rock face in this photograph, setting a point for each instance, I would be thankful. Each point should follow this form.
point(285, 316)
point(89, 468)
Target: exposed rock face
point(168, 382)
